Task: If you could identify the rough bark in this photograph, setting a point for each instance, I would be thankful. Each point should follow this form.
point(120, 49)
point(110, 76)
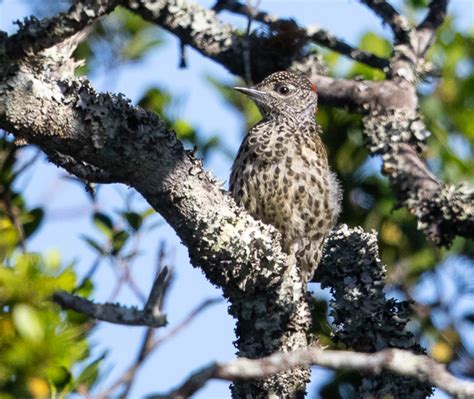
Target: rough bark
point(237, 253)
point(365, 319)
point(102, 137)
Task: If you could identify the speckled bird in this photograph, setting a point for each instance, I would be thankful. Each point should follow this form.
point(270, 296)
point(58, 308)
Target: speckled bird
point(281, 174)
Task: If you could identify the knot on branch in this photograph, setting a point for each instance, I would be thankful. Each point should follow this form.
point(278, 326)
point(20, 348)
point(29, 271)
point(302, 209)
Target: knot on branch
point(389, 127)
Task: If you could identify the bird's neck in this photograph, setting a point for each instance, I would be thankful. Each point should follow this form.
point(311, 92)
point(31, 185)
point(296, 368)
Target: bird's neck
point(289, 120)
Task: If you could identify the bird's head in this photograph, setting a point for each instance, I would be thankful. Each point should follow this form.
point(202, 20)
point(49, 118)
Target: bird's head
point(284, 94)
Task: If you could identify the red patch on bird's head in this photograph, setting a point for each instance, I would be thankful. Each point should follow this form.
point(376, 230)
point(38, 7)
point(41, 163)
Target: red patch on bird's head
point(313, 87)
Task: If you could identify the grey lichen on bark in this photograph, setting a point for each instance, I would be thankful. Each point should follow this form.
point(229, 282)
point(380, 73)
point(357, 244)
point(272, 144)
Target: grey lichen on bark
point(41, 101)
point(105, 133)
point(272, 321)
point(365, 319)
point(393, 126)
point(442, 211)
point(35, 35)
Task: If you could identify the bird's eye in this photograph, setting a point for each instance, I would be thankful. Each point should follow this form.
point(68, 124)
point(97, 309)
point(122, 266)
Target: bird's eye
point(284, 90)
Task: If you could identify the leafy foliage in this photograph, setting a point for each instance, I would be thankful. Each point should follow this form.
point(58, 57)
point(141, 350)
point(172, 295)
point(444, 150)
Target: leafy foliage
point(39, 343)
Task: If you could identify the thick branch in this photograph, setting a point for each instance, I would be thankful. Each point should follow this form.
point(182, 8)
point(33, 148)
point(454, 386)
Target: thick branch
point(236, 252)
point(426, 31)
point(401, 362)
point(110, 312)
point(360, 96)
point(443, 211)
point(352, 269)
point(35, 35)
point(391, 17)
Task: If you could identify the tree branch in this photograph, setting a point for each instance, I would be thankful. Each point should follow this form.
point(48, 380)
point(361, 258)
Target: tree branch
point(313, 33)
point(426, 30)
point(223, 44)
point(352, 269)
point(35, 35)
point(442, 211)
point(110, 312)
point(155, 299)
point(391, 17)
point(401, 362)
point(149, 344)
point(151, 315)
point(327, 39)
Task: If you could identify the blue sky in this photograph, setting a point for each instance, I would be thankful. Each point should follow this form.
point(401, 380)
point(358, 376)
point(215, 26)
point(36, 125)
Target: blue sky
point(210, 336)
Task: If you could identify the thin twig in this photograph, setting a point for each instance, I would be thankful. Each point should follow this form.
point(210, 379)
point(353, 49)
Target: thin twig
point(90, 273)
point(155, 299)
point(149, 345)
point(183, 63)
point(162, 281)
point(110, 312)
point(397, 361)
point(246, 42)
point(326, 39)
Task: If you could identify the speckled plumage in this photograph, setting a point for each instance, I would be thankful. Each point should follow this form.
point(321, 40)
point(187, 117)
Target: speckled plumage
point(281, 173)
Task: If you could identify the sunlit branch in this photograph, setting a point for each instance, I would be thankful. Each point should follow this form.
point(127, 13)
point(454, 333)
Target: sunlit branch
point(394, 360)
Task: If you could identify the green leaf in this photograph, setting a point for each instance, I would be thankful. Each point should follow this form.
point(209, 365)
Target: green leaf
point(94, 244)
point(118, 241)
point(184, 131)
point(27, 322)
point(138, 47)
point(104, 223)
point(32, 221)
point(375, 44)
point(52, 260)
point(86, 289)
point(148, 213)
point(132, 23)
point(155, 100)
point(90, 373)
point(134, 220)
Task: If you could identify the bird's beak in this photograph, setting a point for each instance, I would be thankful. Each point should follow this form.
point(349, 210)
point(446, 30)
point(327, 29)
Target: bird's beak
point(254, 94)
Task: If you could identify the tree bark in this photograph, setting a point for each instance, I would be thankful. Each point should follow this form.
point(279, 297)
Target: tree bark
point(102, 137)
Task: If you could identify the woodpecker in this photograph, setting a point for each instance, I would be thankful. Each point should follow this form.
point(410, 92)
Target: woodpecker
point(281, 174)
